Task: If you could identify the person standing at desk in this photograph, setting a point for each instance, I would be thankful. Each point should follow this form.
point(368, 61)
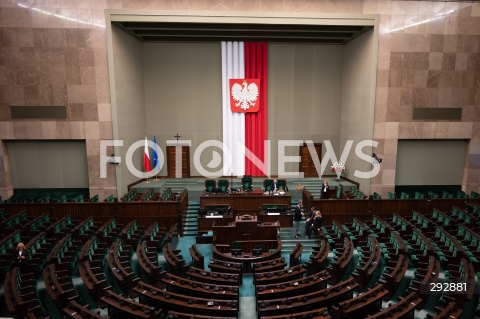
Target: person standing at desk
point(274, 186)
point(296, 219)
point(21, 257)
point(324, 191)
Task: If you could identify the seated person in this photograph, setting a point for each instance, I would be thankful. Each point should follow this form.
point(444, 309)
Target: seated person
point(310, 218)
point(274, 186)
point(317, 223)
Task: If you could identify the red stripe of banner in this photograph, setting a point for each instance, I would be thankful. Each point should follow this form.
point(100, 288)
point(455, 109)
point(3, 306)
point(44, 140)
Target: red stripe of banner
point(256, 67)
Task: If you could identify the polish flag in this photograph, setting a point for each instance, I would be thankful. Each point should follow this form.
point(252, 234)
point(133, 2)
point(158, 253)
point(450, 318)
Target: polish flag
point(146, 158)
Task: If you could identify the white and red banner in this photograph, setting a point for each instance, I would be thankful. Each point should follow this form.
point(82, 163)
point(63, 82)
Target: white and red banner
point(245, 108)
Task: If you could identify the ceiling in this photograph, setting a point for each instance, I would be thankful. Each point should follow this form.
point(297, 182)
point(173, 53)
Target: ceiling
point(214, 32)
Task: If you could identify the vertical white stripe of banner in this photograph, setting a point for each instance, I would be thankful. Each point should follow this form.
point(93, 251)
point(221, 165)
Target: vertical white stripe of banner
point(233, 67)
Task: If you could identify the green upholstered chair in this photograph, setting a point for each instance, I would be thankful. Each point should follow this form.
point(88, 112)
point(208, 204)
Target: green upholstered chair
point(223, 184)
point(282, 184)
point(267, 184)
point(247, 182)
point(210, 185)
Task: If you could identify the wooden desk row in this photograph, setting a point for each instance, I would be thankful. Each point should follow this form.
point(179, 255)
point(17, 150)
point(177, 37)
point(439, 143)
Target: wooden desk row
point(364, 304)
point(119, 306)
point(279, 276)
point(318, 259)
point(216, 278)
point(77, 311)
point(199, 289)
point(365, 269)
point(148, 260)
point(338, 266)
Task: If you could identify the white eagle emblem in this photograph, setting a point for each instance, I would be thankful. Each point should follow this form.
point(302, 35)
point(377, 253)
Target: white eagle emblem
point(245, 97)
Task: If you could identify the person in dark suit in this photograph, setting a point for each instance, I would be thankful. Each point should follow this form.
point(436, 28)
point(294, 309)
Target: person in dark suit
point(317, 223)
point(324, 191)
point(310, 218)
point(21, 257)
point(274, 186)
point(296, 219)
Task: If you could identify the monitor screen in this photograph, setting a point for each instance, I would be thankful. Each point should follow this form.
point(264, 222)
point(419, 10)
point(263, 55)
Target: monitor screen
point(236, 252)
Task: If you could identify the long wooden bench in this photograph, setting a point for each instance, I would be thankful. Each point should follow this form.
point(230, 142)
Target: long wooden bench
point(404, 308)
point(77, 311)
point(279, 276)
point(227, 267)
point(293, 288)
point(119, 264)
point(364, 304)
point(59, 285)
point(338, 265)
point(121, 306)
point(93, 278)
point(199, 289)
point(311, 301)
point(176, 263)
point(211, 277)
point(197, 257)
point(269, 265)
point(363, 272)
point(316, 314)
point(169, 301)
point(318, 259)
point(393, 274)
point(148, 260)
point(295, 255)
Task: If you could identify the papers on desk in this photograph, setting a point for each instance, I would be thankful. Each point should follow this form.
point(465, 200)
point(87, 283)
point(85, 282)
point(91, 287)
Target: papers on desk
point(214, 216)
point(273, 213)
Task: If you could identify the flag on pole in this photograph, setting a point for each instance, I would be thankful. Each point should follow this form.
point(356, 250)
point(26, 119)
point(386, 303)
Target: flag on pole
point(146, 158)
point(155, 162)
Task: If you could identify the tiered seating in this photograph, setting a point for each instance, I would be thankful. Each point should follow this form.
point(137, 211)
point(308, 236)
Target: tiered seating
point(342, 256)
point(92, 274)
point(56, 231)
point(318, 258)
point(197, 257)
point(449, 250)
point(394, 247)
point(148, 195)
point(336, 233)
point(21, 295)
point(130, 195)
point(446, 194)
point(266, 278)
point(296, 254)
point(269, 265)
point(148, 260)
point(376, 196)
point(216, 278)
point(119, 307)
point(404, 195)
point(461, 194)
point(108, 233)
point(37, 225)
point(9, 225)
point(311, 301)
point(358, 307)
point(451, 311)
point(461, 216)
point(470, 241)
point(65, 253)
point(169, 301)
point(317, 314)
point(401, 225)
point(59, 286)
point(366, 267)
point(433, 195)
point(199, 289)
point(168, 195)
point(393, 274)
point(38, 248)
point(176, 264)
point(119, 263)
point(420, 247)
point(131, 234)
point(292, 288)
point(459, 273)
point(355, 194)
point(78, 199)
point(391, 196)
point(404, 308)
point(86, 229)
point(77, 311)
point(358, 229)
point(109, 199)
point(381, 228)
point(442, 219)
point(94, 199)
point(422, 222)
point(227, 267)
point(425, 275)
point(155, 236)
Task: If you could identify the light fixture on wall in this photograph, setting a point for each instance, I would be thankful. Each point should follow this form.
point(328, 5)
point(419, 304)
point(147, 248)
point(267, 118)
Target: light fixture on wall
point(111, 160)
point(377, 159)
